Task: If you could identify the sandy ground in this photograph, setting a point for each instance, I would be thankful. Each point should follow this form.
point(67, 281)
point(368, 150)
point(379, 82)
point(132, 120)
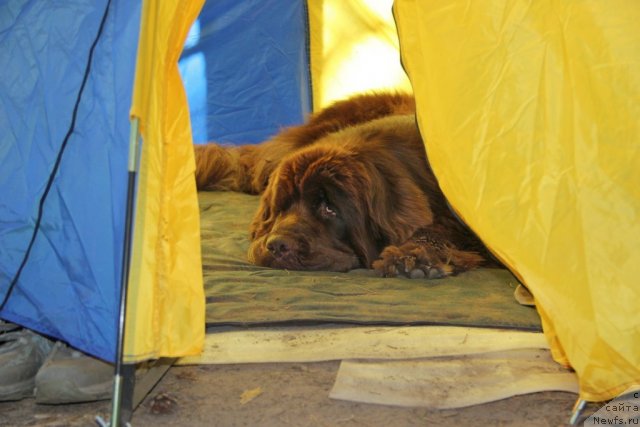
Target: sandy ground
point(285, 394)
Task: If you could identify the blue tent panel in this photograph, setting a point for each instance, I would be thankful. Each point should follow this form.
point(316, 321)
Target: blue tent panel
point(70, 283)
point(246, 69)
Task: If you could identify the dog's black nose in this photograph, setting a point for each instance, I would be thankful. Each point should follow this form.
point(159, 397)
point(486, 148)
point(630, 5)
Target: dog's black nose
point(278, 245)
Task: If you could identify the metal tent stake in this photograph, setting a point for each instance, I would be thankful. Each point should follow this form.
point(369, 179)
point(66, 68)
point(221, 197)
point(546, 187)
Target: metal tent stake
point(116, 401)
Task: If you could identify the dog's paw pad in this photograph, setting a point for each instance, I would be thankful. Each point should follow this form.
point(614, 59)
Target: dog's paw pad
point(417, 273)
point(413, 261)
point(439, 272)
point(426, 272)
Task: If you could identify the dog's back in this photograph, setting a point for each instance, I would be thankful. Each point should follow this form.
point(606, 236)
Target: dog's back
point(247, 168)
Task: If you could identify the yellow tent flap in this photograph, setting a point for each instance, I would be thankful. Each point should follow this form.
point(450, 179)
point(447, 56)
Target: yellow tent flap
point(531, 116)
point(353, 49)
point(166, 310)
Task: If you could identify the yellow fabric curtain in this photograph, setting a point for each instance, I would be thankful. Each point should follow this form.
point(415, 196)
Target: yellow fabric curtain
point(166, 307)
point(354, 48)
point(530, 112)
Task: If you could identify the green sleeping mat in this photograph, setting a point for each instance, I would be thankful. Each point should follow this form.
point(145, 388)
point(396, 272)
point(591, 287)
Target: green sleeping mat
point(239, 293)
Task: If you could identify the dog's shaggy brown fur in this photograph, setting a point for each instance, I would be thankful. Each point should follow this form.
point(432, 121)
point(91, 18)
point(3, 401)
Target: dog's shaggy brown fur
point(350, 188)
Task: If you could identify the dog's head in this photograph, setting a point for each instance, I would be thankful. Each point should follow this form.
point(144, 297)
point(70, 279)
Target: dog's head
point(336, 206)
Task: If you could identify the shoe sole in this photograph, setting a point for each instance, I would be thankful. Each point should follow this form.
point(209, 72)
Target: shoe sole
point(66, 392)
point(17, 391)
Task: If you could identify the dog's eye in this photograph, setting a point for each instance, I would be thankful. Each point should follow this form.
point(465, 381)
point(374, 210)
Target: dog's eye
point(327, 211)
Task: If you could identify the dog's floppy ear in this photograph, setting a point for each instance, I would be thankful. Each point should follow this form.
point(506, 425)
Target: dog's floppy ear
point(263, 218)
point(390, 206)
point(278, 191)
point(397, 206)
point(265, 215)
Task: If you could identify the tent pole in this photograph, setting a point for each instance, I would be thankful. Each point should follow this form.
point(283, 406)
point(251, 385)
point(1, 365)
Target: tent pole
point(119, 375)
point(576, 411)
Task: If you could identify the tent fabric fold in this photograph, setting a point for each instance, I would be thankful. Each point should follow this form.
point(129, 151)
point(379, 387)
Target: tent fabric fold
point(166, 273)
point(529, 113)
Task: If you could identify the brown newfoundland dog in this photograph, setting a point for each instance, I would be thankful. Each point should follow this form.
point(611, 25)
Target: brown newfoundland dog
point(350, 188)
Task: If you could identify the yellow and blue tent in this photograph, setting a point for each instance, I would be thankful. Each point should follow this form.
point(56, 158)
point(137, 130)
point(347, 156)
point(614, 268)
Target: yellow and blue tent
point(73, 74)
point(529, 113)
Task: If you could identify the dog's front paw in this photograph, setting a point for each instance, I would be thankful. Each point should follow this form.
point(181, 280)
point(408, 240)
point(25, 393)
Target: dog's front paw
point(412, 260)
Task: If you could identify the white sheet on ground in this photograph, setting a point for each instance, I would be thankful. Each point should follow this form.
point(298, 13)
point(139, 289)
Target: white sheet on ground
point(429, 366)
point(452, 382)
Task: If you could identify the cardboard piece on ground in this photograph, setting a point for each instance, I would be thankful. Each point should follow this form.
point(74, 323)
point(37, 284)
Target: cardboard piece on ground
point(452, 382)
point(333, 342)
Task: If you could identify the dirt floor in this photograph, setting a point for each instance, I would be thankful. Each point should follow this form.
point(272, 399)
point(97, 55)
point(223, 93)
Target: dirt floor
point(285, 394)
